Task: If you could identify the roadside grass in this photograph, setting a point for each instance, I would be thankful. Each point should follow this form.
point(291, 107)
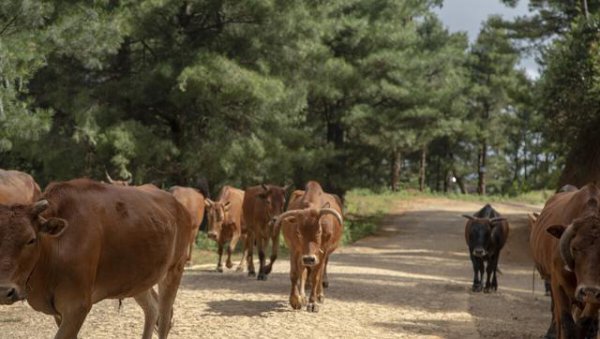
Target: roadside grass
point(364, 212)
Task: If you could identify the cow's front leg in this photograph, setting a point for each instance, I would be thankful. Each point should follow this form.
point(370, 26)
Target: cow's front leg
point(260, 244)
point(72, 317)
point(250, 253)
point(315, 278)
point(477, 265)
point(244, 239)
point(303, 277)
point(220, 260)
point(295, 298)
point(232, 243)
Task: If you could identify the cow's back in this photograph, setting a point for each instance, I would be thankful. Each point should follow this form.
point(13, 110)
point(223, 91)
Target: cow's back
point(192, 200)
point(561, 209)
point(254, 208)
point(120, 241)
point(17, 188)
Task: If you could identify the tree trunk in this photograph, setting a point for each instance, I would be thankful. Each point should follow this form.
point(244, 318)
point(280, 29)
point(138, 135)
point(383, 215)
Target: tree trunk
point(459, 182)
point(481, 162)
point(422, 168)
point(396, 165)
point(446, 178)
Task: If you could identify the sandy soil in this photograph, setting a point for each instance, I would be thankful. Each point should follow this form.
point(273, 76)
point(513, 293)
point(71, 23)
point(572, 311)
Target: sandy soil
point(411, 280)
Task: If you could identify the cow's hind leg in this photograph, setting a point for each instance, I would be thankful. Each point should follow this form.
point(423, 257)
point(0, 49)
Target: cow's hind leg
point(167, 291)
point(325, 277)
point(315, 277)
point(149, 304)
point(491, 283)
point(274, 252)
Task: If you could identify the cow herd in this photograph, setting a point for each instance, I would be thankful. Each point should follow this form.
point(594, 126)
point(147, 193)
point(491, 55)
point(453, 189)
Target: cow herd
point(82, 241)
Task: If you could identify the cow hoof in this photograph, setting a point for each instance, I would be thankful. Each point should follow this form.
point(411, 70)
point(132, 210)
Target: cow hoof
point(239, 269)
point(312, 307)
point(229, 265)
point(325, 284)
point(476, 288)
point(261, 276)
point(303, 301)
point(321, 299)
point(295, 303)
point(252, 274)
point(220, 269)
point(487, 290)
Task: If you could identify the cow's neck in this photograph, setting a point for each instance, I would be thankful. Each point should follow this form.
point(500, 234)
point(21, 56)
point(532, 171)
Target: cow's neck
point(41, 284)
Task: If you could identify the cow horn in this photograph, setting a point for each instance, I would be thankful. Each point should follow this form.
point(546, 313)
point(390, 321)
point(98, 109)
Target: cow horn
point(279, 219)
point(470, 217)
point(110, 181)
point(564, 246)
point(331, 211)
point(40, 207)
point(493, 220)
point(264, 187)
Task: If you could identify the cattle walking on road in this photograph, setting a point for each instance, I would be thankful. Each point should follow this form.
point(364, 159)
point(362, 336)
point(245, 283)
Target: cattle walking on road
point(485, 233)
point(226, 224)
point(564, 247)
point(312, 228)
point(262, 204)
point(87, 241)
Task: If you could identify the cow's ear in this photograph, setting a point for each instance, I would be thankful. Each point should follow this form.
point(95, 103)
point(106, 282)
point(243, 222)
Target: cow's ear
point(556, 230)
point(264, 195)
point(53, 226)
point(326, 205)
point(226, 206)
point(208, 203)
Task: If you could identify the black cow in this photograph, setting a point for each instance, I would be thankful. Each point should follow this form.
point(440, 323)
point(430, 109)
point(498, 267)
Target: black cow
point(485, 232)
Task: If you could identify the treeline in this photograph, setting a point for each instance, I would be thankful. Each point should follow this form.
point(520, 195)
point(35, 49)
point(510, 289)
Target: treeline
point(352, 93)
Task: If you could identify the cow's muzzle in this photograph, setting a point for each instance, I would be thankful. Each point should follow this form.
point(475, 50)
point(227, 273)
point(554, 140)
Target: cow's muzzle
point(9, 294)
point(310, 260)
point(479, 252)
point(588, 294)
point(212, 235)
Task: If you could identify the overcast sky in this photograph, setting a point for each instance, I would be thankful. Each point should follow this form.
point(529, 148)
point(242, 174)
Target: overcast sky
point(468, 15)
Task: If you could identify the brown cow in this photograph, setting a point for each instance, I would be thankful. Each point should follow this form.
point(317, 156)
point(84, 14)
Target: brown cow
point(17, 188)
point(226, 224)
point(262, 204)
point(87, 241)
point(564, 247)
point(193, 201)
point(312, 229)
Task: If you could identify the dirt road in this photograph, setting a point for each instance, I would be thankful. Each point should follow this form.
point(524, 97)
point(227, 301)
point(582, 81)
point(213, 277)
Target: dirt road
point(411, 280)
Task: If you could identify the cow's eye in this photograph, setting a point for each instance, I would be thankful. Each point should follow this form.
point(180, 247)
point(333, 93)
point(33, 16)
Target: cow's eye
point(31, 242)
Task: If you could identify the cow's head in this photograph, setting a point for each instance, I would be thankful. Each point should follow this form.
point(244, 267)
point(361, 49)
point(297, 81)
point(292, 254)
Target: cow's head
point(274, 198)
point(579, 250)
point(21, 227)
point(118, 182)
point(480, 234)
point(308, 227)
point(216, 212)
